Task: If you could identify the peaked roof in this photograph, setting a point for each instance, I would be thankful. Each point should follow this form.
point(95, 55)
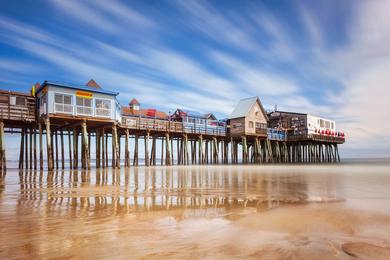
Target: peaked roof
point(92, 83)
point(243, 107)
point(190, 113)
point(134, 102)
point(74, 86)
point(210, 115)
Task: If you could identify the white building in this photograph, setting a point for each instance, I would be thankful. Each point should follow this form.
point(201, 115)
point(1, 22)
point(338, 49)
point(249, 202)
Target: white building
point(77, 100)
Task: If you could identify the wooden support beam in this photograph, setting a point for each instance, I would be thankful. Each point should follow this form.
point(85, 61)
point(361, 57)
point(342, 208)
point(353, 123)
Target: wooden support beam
point(75, 149)
point(168, 150)
point(35, 147)
point(70, 150)
point(40, 146)
point(62, 149)
point(162, 151)
point(97, 148)
point(103, 147)
point(106, 150)
point(115, 146)
point(21, 151)
point(48, 144)
point(127, 151)
point(135, 159)
point(85, 148)
point(3, 164)
point(56, 148)
point(146, 152)
point(26, 148)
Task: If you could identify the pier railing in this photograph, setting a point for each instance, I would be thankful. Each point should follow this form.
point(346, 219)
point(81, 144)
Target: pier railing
point(142, 123)
point(315, 137)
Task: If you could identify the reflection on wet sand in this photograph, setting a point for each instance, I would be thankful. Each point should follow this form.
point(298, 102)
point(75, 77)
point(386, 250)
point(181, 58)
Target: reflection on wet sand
point(218, 211)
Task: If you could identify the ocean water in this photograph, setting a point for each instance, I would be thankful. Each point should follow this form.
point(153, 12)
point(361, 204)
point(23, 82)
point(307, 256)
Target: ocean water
point(233, 211)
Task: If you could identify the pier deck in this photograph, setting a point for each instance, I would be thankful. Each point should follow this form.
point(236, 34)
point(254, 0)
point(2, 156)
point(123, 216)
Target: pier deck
point(182, 143)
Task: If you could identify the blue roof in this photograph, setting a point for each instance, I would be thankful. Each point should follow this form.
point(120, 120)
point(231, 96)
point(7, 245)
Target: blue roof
point(75, 86)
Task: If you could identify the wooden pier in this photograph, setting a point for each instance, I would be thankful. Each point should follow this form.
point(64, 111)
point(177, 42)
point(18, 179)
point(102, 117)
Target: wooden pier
point(82, 131)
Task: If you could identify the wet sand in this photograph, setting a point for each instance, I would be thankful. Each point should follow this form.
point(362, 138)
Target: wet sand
point(268, 212)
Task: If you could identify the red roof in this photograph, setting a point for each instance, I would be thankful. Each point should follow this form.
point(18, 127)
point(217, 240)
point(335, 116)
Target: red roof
point(134, 102)
point(93, 84)
point(153, 113)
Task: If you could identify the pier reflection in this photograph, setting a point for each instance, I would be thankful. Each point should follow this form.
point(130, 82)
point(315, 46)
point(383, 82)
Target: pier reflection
point(105, 192)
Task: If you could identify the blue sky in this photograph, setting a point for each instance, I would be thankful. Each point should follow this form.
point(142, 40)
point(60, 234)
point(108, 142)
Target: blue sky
point(328, 58)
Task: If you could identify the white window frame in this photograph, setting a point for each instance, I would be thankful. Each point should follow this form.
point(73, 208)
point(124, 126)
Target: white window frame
point(95, 108)
point(63, 104)
point(83, 107)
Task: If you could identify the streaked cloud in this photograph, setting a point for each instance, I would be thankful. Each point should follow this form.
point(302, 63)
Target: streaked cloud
point(204, 55)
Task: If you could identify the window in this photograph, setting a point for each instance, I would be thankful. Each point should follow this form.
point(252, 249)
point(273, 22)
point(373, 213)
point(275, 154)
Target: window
point(322, 123)
point(261, 125)
point(332, 125)
point(327, 124)
point(20, 101)
point(250, 124)
point(103, 107)
point(62, 103)
point(84, 106)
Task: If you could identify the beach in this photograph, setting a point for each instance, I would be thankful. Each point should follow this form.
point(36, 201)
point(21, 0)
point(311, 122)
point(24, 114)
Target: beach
point(227, 212)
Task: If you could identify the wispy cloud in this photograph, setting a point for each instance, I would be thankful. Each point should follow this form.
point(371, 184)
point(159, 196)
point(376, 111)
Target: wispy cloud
point(205, 56)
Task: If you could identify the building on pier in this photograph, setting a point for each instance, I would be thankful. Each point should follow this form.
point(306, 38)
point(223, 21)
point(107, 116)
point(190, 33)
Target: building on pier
point(248, 118)
point(58, 99)
point(17, 108)
point(195, 122)
point(301, 125)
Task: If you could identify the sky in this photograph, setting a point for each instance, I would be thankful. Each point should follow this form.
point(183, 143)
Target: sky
point(327, 58)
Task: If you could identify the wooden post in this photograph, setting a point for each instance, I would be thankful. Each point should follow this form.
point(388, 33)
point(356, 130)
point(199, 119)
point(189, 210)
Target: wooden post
point(337, 153)
point(103, 162)
point(216, 151)
point(106, 150)
point(89, 149)
point(162, 151)
point(62, 150)
point(85, 145)
point(201, 150)
point(172, 153)
point(127, 152)
point(75, 149)
point(49, 147)
point(35, 147)
point(186, 149)
point(3, 166)
point(21, 152)
point(135, 159)
point(244, 150)
point(168, 150)
point(56, 141)
point(26, 148)
point(40, 146)
point(115, 146)
point(147, 149)
point(97, 148)
point(70, 150)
